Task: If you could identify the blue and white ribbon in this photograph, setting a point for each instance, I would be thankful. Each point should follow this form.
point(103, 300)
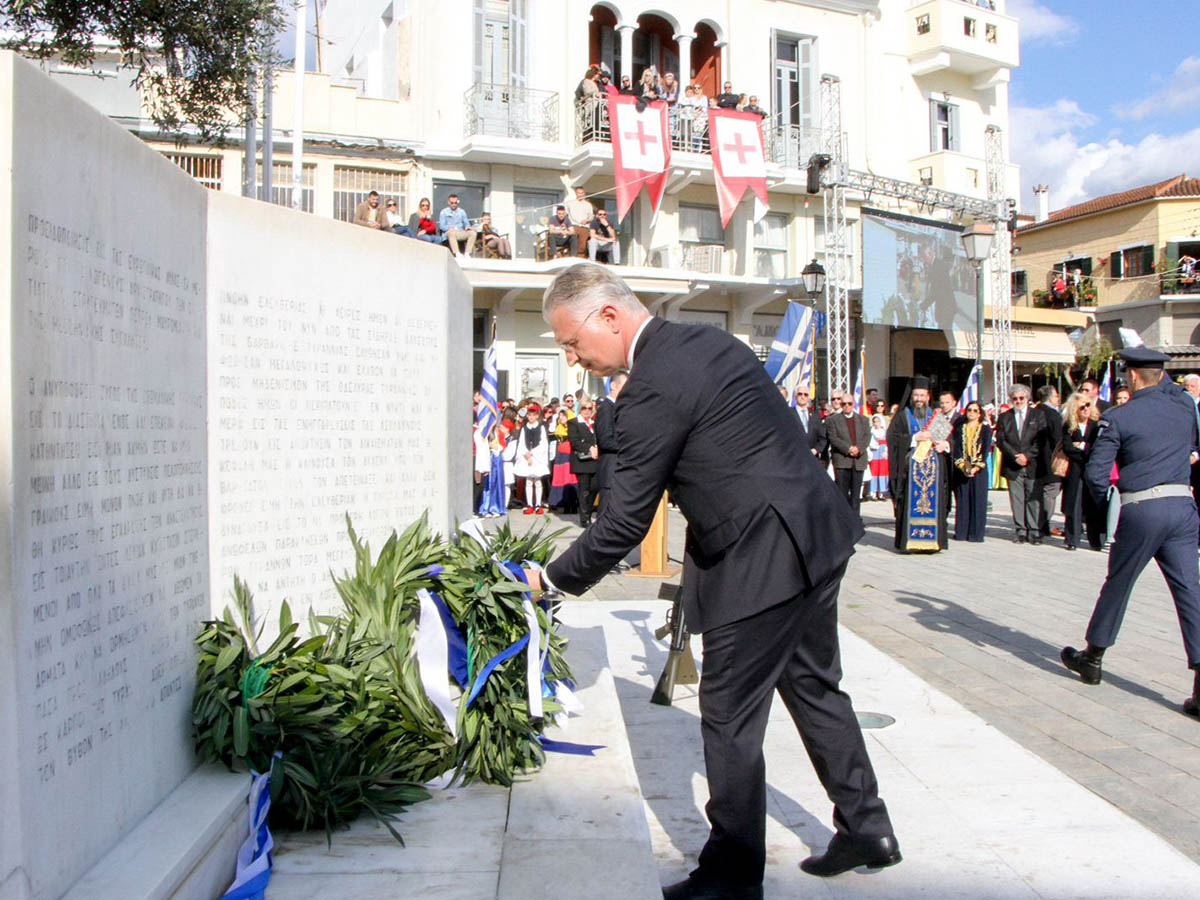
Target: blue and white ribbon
point(433, 659)
point(254, 857)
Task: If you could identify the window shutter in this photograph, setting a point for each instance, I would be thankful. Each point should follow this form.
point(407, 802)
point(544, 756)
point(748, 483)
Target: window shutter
point(1085, 266)
point(1115, 269)
point(518, 42)
point(1147, 260)
point(477, 29)
point(1172, 256)
point(933, 127)
point(955, 138)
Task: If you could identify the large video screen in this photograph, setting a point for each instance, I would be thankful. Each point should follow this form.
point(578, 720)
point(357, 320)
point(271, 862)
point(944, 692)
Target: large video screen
point(916, 274)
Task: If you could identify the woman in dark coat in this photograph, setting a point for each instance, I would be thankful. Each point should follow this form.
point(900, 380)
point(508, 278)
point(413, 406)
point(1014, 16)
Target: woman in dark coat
point(970, 447)
point(1079, 434)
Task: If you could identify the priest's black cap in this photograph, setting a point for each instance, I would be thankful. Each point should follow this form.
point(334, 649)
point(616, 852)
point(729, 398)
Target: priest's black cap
point(1144, 358)
point(920, 383)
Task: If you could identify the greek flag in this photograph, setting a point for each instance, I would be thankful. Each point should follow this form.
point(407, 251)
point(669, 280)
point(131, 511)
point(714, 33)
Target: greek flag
point(1106, 386)
point(488, 413)
point(970, 393)
point(792, 344)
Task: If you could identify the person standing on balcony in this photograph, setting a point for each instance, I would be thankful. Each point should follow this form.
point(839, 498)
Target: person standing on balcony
point(581, 212)
point(650, 88)
point(753, 107)
point(670, 89)
point(627, 86)
point(727, 99)
point(588, 88)
point(454, 224)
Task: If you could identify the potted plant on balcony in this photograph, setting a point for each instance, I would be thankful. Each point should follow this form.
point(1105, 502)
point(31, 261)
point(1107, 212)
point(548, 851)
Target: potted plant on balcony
point(1087, 292)
point(1041, 298)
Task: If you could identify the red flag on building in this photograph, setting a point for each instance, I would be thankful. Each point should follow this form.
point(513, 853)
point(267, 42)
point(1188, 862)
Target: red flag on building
point(641, 149)
point(738, 158)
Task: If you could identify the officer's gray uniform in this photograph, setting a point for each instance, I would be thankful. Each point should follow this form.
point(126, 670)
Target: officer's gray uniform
point(1150, 438)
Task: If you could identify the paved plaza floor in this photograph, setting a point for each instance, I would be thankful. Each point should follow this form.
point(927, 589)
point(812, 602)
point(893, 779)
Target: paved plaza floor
point(1006, 777)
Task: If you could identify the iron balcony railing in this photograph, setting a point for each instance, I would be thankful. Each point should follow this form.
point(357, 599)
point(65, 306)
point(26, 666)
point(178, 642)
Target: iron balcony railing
point(502, 110)
point(785, 144)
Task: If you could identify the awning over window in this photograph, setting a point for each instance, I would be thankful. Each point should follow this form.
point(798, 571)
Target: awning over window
point(1031, 343)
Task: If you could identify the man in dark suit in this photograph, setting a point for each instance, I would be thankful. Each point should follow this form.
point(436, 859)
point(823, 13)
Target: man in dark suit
point(1020, 433)
point(811, 423)
point(849, 434)
point(606, 434)
point(584, 458)
point(1048, 406)
point(768, 540)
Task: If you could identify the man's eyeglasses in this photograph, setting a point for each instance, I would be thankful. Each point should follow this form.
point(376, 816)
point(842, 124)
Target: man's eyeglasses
point(569, 343)
point(1085, 406)
point(847, 403)
point(589, 406)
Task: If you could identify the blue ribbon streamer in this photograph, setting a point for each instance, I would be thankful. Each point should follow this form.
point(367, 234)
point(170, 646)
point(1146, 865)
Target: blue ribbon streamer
point(480, 679)
point(455, 643)
point(252, 890)
point(567, 747)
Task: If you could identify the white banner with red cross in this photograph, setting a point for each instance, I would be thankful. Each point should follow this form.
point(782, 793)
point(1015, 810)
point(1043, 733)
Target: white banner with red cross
point(641, 149)
point(738, 159)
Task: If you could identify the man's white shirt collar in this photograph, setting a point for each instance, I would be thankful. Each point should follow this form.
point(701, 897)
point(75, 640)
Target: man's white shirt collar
point(636, 336)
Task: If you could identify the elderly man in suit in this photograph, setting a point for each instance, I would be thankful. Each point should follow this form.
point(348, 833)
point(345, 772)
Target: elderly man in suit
point(767, 544)
point(1020, 434)
point(849, 435)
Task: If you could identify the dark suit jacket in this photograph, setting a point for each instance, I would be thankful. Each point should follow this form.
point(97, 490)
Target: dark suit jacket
point(818, 438)
point(699, 416)
point(839, 440)
point(1078, 457)
point(1029, 441)
point(605, 425)
point(582, 439)
point(1051, 438)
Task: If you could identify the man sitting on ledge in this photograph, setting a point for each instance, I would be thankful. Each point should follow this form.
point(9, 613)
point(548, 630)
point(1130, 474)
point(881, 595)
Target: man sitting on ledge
point(768, 542)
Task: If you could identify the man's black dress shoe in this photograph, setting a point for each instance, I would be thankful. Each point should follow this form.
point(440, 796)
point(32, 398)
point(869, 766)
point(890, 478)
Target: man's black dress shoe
point(1018, 539)
point(844, 854)
point(1035, 540)
point(1082, 663)
point(1191, 706)
point(695, 888)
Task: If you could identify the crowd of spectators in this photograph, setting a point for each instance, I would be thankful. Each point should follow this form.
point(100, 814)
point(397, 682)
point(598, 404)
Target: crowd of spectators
point(688, 108)
point(577, 228)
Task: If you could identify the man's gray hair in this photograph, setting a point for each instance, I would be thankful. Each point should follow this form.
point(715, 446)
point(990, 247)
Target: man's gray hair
point(1191, 378)
point(586, 287)
point(1018, 388)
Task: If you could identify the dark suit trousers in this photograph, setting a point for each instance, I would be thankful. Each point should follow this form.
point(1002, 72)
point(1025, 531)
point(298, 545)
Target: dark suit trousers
point(1025, 495)
point(587, 496)
point(792, 648)
point(849, 482)
point(1163, 530)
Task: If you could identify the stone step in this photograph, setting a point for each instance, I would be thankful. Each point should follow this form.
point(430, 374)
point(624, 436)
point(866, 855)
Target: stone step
point(576, 830)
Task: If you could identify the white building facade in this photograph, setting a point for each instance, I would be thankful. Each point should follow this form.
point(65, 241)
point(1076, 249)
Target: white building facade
point(417, 98)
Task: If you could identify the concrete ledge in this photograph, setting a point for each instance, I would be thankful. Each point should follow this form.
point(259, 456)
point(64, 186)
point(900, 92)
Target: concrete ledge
point(582, 817)
point(185, 849)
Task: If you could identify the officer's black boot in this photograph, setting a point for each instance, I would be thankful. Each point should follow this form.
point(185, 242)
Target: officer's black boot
point(1086, 663)
point(1191, 705)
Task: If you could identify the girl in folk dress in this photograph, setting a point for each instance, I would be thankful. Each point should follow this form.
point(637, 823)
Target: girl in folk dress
point(531, 459)
point(562, 480)
point(877, 457)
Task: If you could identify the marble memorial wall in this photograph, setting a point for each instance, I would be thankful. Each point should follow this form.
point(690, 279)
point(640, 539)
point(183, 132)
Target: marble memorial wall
point(332, 391)
point(107, 508)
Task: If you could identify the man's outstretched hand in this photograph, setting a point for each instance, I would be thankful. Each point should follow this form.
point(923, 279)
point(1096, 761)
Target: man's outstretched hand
point(534, 577)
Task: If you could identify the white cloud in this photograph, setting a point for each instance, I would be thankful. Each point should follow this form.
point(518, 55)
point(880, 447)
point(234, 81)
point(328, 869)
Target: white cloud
point(1040, 24)
point(1181, 93)
point(1046, 144)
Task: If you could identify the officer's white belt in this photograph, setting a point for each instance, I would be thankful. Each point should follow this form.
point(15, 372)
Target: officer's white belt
point(1160, 490)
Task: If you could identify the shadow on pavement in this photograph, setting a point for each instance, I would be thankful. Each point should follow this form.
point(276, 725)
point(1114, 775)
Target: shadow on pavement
point(945, 616)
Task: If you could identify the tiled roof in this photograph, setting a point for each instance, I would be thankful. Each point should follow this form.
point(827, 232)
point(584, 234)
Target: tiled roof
point(1179, 186)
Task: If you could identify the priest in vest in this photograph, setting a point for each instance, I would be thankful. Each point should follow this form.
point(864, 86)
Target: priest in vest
point(918, 447)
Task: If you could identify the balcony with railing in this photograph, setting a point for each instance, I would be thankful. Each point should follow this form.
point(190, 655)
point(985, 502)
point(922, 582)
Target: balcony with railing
point(506, 111)
point(963, 36)
point(784, 144)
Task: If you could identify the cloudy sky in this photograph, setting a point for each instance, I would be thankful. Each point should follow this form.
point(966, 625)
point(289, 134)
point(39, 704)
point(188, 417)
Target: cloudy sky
point(1107, 96)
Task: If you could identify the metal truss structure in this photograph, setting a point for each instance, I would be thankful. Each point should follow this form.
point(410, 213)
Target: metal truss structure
point(838, 180)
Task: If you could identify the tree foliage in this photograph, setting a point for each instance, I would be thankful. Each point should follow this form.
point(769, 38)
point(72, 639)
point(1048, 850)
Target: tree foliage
point(192, 59)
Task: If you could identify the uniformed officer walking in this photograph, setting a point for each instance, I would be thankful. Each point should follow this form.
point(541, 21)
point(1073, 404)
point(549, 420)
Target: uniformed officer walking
point(1151, 439)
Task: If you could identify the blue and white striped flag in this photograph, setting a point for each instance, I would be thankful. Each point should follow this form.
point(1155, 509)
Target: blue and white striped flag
point(970, 393)
point(791, 344)
point(488, 413)
point(1106, 386)
point(860, 383)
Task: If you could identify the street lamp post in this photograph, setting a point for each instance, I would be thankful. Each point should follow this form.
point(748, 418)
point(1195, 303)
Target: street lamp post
point(977, 241)
point(813, 276)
